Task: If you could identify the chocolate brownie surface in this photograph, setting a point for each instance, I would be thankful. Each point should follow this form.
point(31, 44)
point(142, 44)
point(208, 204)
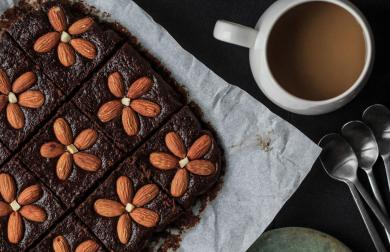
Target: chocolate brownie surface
point(4, 153)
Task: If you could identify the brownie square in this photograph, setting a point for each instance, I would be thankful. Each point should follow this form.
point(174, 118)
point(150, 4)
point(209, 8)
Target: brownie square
point(131, 67)
point(4, 153)
point(72, 233)
point(21, 206)
point(105, 228)
point(14, 64)
point(72, 187)
point(188, 129)
point(33, 25)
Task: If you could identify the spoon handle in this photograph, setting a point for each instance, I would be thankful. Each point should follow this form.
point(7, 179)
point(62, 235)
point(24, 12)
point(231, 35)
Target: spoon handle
point(375, 190)
point(386, 161)
point(367, 220)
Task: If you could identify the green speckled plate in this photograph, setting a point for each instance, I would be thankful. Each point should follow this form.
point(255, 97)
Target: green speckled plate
point(297, 239)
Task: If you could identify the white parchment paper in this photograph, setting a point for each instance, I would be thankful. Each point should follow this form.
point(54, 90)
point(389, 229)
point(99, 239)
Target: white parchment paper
point(259, 179)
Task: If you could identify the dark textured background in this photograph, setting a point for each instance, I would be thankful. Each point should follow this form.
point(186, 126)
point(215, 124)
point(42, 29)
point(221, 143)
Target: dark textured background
point(320, 202)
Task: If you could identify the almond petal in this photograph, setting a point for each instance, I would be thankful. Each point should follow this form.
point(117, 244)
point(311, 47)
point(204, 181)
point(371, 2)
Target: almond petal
point(124, 189)
point(115, 85)
point(85, 139)
point(47, 42)
point(84, 47)
point(81, 26)
point(88, 246)
point(145, 107)
point(108, 208)
point(175, 144)
point(15, 228)
point(33, 213)
point(57, 18)
point(31, 99)
point(123, 228)
point(30, 195)
point(201, 167)
point(163, 161)
point(200, 147)
point(52, 150)
point(5, 209)
point(5, 86)
point(64, 166)
point(139, 87)
point(15, 116)
point(179, 183)
point(60, 244)
point(87, 162)
point(3, 102)
point(110, 110)
point(130, 121)
point(145, 217)
point(63, 131)
point(24, 82)
point(66, 55)
point(7, 187)
point(145, 194)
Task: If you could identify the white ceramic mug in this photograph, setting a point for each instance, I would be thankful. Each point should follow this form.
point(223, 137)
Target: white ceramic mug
point(257, 39)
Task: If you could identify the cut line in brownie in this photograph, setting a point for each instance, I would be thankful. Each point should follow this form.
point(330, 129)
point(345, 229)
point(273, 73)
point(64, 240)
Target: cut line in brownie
point(4, 153)
point(27, 97)
point(73, 44)
point(128, 98)
point(28, 212)
point(70, 154)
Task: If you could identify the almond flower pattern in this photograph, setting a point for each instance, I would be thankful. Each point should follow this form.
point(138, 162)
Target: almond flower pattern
point(127, 105)
point(129, 208)
point(70, 150)
point(183, 161)
point(64, 38)
point(19, 207)
point(17, 95)
point(60, 244)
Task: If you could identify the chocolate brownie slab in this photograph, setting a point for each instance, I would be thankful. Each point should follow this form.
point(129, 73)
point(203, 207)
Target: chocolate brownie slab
point(27, 207)
point(128, 98)
point(70, 154)
point(64, 42)
point(27, 97)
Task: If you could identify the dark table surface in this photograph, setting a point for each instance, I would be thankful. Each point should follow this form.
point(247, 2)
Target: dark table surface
point(320, 202)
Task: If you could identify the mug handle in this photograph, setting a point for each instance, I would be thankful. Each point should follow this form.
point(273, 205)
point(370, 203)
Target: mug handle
point(235, 33)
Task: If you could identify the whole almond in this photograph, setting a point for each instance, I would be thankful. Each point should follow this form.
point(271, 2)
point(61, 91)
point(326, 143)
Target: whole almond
point(60, 244)
point(108, 208)
point(84, 47)
point(30, 195)
point(139, 87)
point(81, 26)
point(145, 194)
point(200, 147)
point(124, 189)
point(31, 99)
point(110, 110)
point(7, 187)
point(145, 217)
point(87, 162)
point(85, 139)
point(123, 228)
point(179, 183)
point(130, 121)
point(88, 246)
point(3, 102)
point(66, 55)
point(64, 166)
point(201, 167)
point(145, 107)
point(51, 150)
point(163, 160)
point(57, 18)
point(63, 131)
point(15, 116)
point(33, 213)
point(47, 42)
point(175, 144)
point(24, 82)
point(115, 85)
point(4, 83)
point(15, 228)
point(5, 209)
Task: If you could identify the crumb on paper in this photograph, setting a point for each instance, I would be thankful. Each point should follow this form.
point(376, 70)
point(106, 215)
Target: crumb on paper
point(265, 141)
